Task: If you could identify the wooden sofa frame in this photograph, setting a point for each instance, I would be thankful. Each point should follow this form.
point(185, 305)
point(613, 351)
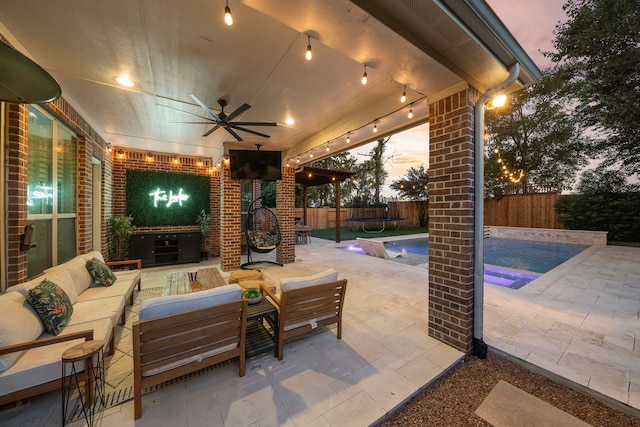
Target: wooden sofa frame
point(303, 309)
point(169, 339)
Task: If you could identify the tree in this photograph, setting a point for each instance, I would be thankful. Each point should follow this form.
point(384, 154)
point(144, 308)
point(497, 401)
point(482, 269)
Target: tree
point(415, 186)
point(533, 142)
point(372, 174)
point(598, 53)
point(598, 181)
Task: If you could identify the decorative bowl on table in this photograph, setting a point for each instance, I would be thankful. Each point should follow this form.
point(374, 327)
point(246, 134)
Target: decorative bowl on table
point(253, 296)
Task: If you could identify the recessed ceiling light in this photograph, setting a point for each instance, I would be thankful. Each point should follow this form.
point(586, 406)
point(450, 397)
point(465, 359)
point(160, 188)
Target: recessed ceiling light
point(124, 81)
point(289, 121)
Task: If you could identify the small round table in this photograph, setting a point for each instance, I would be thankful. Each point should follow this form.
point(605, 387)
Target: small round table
point(83, 372)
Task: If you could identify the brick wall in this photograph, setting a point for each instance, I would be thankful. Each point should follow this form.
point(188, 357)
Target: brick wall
point(451, 220)
point(123, 161)
point(286, 212)
point(90, 145)
point(230, 221)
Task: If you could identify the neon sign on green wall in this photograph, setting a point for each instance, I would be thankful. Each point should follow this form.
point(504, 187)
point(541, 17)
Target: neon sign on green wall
point(166, 199)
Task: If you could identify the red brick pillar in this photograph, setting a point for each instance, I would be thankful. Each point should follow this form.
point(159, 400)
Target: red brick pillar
point(451, 220)
point(17, 149)
point(230, 219)
point(286, 213)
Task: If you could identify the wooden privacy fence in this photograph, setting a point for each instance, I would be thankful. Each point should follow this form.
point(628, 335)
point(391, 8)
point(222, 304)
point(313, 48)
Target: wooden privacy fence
point(521, 210)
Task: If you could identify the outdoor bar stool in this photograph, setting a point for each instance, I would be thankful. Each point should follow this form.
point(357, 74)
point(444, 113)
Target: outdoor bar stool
point(90, 356)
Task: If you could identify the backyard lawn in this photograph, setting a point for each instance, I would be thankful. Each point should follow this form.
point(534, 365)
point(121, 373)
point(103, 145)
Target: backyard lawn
point(347, 233)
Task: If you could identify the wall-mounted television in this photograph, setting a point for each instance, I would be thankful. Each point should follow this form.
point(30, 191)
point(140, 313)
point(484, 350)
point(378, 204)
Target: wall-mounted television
point(255, 164)
point(166, 199)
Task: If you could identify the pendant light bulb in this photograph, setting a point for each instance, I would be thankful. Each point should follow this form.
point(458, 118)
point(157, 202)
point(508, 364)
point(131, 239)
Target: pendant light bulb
point(375, 127)
point(298, 159)
point(308, 54)
point(364, 75)
point(228, 19)
point(403, 98)
point(348, 137)
point(410, 115)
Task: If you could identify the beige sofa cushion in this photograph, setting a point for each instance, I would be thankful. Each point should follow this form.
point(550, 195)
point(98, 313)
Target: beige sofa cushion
point(174, 304)
point(77, 269)
point(21, 324)
point(61, 278)
point(325, 276)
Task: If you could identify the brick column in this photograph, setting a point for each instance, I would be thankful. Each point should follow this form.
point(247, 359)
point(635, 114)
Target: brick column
point(286, 213)
point(230, 219)
point(451, 220)
point(17, 149)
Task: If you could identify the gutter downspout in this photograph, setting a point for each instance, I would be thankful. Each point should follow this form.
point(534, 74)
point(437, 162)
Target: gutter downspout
point(479, 346)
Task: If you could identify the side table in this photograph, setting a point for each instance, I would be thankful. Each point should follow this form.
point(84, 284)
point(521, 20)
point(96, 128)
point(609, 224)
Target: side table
point(83, 367)
point(258, 338)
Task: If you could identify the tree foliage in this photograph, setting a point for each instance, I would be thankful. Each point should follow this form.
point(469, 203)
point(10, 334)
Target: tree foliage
point(414, 185)
point(601, 181)
point(533, 142)
point(598, 54)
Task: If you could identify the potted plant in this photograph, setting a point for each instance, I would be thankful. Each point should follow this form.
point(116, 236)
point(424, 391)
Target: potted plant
point(120, 230)
point(204, 221)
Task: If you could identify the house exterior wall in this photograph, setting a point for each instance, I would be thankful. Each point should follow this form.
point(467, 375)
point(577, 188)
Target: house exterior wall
point(286, 212)
point(451, 220)
point(230, 221)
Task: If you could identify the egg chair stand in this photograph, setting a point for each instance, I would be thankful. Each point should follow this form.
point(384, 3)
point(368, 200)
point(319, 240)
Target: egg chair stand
point(262, 233)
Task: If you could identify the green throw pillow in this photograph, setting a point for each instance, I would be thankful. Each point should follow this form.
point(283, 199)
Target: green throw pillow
point(52, 305)
point(100, 272)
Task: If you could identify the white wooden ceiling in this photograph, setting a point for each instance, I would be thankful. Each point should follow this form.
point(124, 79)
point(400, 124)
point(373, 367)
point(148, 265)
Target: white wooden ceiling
point(171, 48)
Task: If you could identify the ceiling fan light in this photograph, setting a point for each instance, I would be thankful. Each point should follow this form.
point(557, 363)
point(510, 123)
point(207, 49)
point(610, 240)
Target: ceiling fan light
point(308, 54)
point(228, 19)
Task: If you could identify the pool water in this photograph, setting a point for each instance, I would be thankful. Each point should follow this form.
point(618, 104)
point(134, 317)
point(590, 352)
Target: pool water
point(508, 263)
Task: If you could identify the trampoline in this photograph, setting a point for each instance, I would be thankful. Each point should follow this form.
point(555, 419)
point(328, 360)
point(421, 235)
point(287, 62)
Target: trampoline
point(379, 223)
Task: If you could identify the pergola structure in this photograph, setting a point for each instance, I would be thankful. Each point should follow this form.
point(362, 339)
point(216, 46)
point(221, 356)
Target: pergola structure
point(311, 177)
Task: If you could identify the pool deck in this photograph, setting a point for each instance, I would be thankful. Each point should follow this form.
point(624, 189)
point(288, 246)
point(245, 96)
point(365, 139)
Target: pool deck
point(578, 321)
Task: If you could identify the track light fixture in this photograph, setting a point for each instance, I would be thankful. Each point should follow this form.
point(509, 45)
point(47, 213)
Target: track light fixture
point(364, 75)
point(308, 54)
point(228, 19)
point(403, 98)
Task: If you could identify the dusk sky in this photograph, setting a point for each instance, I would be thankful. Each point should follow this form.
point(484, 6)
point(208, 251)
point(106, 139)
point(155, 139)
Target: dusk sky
point(532, 24)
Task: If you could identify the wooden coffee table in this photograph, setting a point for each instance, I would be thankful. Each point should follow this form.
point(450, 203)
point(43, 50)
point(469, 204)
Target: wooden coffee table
point(179, 283)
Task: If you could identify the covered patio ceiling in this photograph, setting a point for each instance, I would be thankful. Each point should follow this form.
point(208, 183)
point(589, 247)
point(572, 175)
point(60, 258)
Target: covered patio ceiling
point(171, 49)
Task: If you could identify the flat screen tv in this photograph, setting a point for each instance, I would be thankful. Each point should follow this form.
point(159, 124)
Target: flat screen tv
point(166, 199)
point(255, 164)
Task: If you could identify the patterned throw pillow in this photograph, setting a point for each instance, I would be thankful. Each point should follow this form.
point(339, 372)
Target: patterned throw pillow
point(100, 272)
point(52, 305)
point(262, 239)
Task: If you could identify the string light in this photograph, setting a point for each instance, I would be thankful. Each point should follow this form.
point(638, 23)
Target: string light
point(410, 115)
point(375, 127)
point(298, 160)
point(514, 177)
point(228, 19)
point(149, 157)
point(364, 75)
point(328, 147)
point(308, 53)
point(403, 98)
point(348, 137)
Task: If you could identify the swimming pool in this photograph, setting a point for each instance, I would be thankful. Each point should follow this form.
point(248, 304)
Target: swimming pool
point(508, 263)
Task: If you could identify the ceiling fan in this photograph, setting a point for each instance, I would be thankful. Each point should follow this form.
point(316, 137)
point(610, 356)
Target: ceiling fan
point(222, 120)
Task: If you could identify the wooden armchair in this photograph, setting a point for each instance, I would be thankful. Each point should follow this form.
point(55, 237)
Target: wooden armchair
point(180, 342)
point(304, 307)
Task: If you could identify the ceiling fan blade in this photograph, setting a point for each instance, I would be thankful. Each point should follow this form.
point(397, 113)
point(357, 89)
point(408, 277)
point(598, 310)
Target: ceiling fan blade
point(235, 135)
point(194, 123)
point(255, 123)
point(210, 131)
point(188, 112)
point(241, 109)
point(204, 106)
point(249, 131)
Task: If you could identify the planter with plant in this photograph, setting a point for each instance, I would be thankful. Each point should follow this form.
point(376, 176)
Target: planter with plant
point(204, 221)
point(253, 296)
point(120, 230)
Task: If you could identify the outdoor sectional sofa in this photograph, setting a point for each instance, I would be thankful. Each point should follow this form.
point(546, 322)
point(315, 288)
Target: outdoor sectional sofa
point(30, 357)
